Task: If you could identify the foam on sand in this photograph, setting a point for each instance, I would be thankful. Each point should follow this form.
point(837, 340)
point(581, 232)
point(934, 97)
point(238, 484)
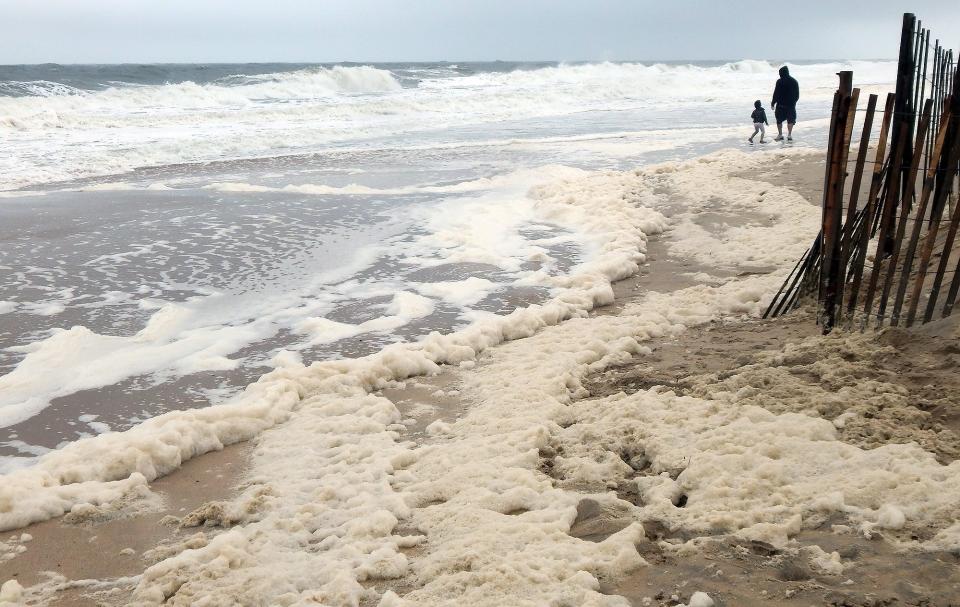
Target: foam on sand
point(320, 515)
point(97, 470)
point(11, 593)
point(348, 481)
point(476, 491)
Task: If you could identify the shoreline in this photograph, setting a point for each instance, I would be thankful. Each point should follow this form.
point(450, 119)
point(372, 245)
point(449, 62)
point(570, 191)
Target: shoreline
point(431, 405)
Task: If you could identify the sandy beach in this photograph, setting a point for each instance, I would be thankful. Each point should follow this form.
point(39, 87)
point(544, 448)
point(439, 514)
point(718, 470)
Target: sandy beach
point(665, 444)
point(500, 304)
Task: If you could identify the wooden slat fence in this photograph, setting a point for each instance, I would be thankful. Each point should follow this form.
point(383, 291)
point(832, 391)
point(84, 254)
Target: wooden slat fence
point(872, 264)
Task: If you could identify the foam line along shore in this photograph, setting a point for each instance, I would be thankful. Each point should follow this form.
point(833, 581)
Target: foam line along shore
point(333, 400)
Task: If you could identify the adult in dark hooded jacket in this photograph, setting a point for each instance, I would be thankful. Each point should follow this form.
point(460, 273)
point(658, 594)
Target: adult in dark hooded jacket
point(784, 104)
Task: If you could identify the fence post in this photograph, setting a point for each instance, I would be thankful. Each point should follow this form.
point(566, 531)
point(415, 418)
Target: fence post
point(903, 107)
point(914, 241)
point(949, 168)
point(870, 210)
point(905, 208)
point(831, 274)
point(848, 238)
point(887, 211)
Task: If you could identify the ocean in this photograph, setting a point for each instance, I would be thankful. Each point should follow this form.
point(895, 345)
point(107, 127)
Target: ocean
point(171, 233)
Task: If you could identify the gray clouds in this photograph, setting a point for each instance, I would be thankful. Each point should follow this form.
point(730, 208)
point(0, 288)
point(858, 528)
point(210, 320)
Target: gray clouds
point(111, 31)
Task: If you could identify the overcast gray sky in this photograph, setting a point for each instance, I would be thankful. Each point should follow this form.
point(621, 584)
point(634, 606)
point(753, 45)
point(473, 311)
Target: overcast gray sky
point(114, 31)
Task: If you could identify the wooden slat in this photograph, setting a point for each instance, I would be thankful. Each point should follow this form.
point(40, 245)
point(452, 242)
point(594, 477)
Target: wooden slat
point(905, 205)
point(952, 293)
point(933, 77)
point(784, 291)
point(921, 212)
point(941, 270)
point(837, 152)
point(886, 210)
point(954, 286)
point(870, 209)
point(917, 56)
point(941, 93)
point(792, 280)
point(847, 244)
point(923, 77)
point(955, 215)
point(943, 190)
point(861, 157)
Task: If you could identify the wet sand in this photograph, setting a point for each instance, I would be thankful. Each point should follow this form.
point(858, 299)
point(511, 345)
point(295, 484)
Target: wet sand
point(111, 543)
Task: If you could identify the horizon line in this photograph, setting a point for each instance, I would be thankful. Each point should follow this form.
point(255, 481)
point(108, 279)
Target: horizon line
point(441, 61)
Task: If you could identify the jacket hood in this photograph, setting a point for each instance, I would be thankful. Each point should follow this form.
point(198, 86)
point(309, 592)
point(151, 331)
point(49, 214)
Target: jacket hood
point(784, 71)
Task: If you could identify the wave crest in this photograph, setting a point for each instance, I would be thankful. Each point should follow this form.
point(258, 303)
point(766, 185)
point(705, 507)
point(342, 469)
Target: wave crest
point(36, 88)
point(247, 115)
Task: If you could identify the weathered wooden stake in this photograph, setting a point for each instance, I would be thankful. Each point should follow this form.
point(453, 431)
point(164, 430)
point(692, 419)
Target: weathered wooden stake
point(947, 170)
point(918, 221)
point(847, 241)
point(887, 210)
point(903, 107)
point(905, 207)
point(871, 207)
point(943, 190)
point(831, 274)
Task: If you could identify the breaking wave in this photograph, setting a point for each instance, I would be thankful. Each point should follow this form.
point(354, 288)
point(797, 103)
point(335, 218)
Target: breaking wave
point(42, 104)
point(126, 126)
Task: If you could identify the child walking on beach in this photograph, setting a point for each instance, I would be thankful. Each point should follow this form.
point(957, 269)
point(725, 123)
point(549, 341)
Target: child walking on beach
point(759, 116)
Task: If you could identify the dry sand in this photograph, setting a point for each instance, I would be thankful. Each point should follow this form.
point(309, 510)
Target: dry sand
point(902, 385)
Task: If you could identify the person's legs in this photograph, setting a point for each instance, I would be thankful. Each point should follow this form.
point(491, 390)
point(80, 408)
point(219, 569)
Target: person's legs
point(778, 114)
point(763, 132)
point(756, 129)
point(790, 130)
point(791, 120)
